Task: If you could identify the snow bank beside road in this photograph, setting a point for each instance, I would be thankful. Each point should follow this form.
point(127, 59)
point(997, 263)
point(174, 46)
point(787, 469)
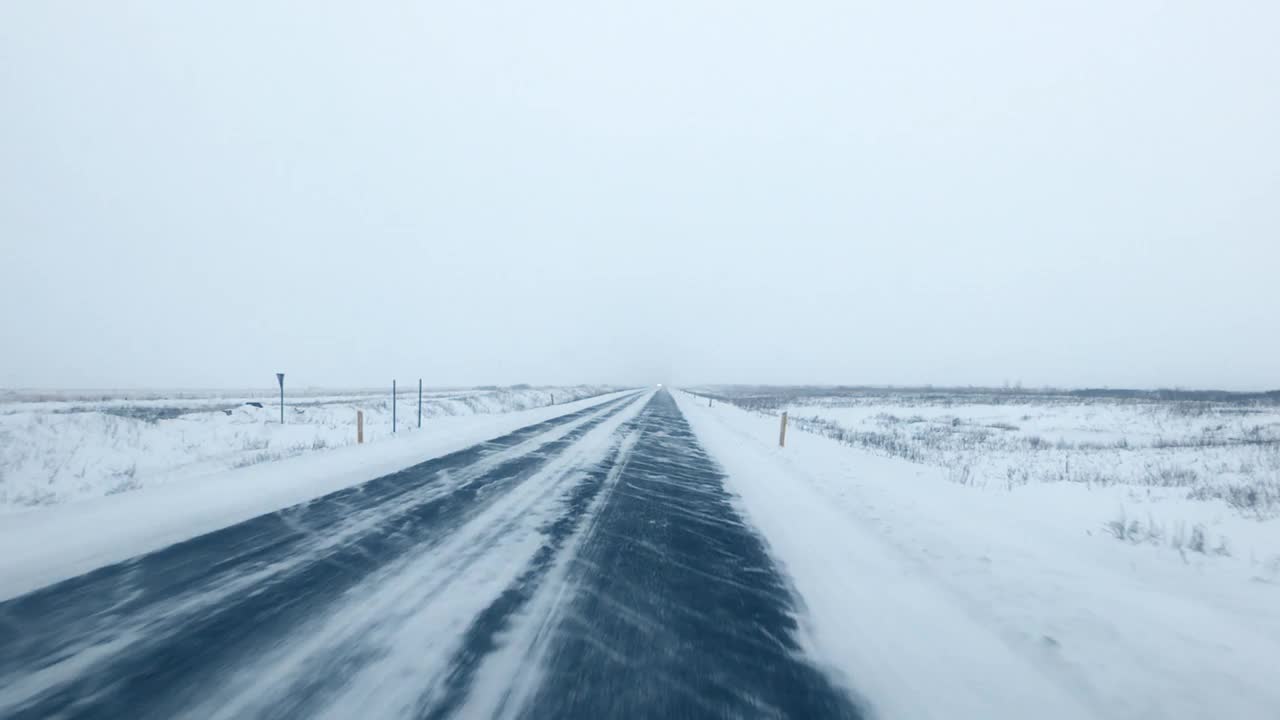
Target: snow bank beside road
point(60, 447)
point(939, 600)
point(45, 545)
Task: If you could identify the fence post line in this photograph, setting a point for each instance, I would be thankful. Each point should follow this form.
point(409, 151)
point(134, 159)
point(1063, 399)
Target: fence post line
point(782, 434)
point(419, 403)
point(359, 427)
point(393, 407)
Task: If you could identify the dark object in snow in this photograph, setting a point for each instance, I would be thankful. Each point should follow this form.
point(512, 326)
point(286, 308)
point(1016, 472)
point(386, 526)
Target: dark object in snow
point(227, 412)
point(255, 404)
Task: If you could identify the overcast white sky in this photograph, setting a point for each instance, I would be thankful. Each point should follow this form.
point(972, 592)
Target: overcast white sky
point(1069, 193)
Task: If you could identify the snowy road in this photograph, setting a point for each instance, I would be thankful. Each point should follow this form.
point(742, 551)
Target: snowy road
point(583, 567)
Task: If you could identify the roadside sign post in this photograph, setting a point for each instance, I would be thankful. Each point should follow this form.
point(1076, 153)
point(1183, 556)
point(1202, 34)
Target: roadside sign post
point(280, 379)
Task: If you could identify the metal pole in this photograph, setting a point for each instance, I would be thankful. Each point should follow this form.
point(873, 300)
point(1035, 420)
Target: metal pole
point(419, 403)
point(782, 434)
point(280, 378)
point(393, 407)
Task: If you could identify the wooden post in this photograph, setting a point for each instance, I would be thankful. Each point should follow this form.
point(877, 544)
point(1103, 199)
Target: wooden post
point(280, 378)
point(359, 427)
point(782, 434)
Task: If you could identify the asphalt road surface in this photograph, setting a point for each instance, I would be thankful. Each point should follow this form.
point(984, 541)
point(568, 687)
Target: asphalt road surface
point(590, 566)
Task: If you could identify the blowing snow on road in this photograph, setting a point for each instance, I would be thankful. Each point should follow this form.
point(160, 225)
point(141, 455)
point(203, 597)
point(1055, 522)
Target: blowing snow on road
point(586, 566)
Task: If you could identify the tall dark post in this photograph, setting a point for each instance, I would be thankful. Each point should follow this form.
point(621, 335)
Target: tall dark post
point(280, 379)
point(419, 403)
point(393, 407)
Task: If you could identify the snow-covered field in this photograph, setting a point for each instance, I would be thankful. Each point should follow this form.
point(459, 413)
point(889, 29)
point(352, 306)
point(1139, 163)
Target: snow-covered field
point(1190, 476)
point(61, 446)
point(1100, 557)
